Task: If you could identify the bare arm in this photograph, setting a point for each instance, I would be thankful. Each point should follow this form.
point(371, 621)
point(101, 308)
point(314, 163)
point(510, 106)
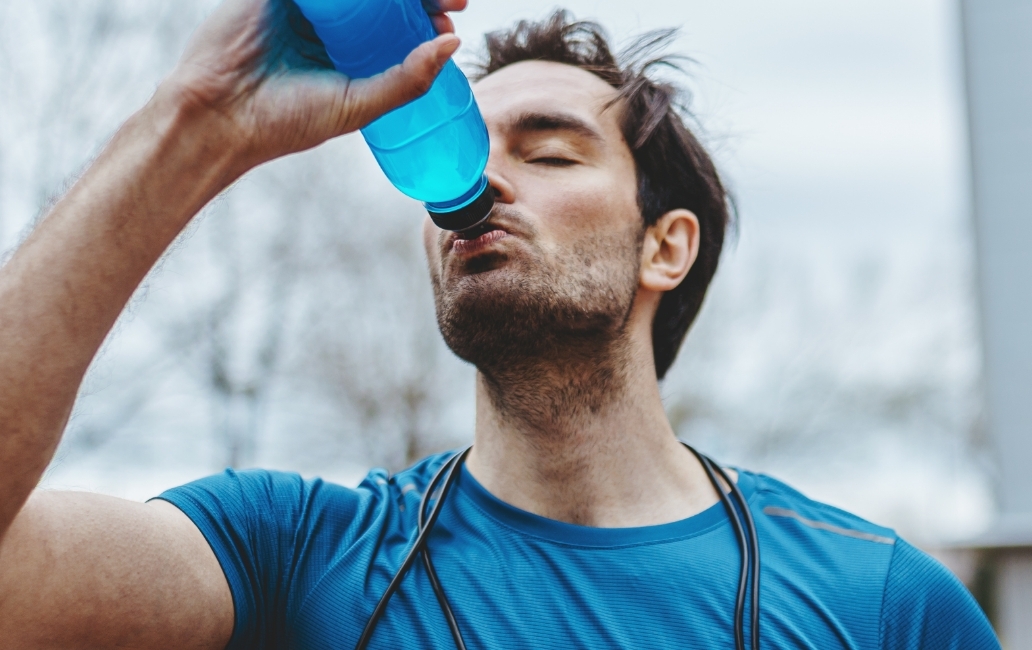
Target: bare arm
point(223, 111)
point(89, 571)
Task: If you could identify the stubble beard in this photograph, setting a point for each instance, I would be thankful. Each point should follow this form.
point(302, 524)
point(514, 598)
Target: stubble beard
point(548, 334)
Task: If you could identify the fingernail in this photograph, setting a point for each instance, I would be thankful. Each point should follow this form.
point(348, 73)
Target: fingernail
point(447, 49)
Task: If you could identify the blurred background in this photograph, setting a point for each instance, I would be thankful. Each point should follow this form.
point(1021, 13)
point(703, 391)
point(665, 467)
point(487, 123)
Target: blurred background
point(292, 326)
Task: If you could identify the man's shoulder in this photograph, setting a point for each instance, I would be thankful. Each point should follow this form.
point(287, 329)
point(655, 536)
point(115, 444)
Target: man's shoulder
point(926, 606)
point(265, 498)
point(854, 566)
point(250, 488)
point(785, 504)
point(807, 542)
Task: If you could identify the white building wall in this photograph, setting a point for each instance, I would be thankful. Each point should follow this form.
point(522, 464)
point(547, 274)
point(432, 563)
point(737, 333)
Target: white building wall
point(998, 60)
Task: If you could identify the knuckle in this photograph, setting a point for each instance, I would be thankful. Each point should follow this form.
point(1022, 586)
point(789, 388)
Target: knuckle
point(418, 79)
point(424, 83)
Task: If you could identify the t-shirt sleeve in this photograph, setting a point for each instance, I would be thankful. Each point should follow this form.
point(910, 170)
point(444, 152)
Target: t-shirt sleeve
point(925, 607)
point(251, 520)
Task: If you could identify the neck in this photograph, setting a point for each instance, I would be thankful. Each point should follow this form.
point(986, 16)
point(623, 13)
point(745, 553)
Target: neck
point(584, 439)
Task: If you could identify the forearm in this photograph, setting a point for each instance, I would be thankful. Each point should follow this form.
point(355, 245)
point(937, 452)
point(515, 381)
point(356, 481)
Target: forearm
point(62, 291)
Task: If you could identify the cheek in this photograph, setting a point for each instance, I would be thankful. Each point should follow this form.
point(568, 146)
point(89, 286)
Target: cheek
point(430, 234)
point(597, 202)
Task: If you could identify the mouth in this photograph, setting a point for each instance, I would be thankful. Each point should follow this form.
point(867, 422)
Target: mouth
point(469, 245)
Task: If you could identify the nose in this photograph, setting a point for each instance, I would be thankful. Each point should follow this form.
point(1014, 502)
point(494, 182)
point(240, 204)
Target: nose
point(496, 177)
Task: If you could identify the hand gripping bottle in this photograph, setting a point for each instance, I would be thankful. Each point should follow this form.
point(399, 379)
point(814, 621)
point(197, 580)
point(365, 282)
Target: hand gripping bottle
point(433, 149)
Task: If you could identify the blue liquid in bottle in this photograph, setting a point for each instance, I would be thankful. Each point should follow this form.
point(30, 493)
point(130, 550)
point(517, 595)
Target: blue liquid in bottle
point(433, 149)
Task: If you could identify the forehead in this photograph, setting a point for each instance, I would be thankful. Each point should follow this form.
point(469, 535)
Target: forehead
point(547, 87)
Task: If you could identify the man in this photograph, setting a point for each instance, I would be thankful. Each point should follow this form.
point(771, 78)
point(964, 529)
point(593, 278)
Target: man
point(577, 520)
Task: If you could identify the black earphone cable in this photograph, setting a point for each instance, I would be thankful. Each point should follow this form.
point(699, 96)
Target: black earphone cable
point(449, 616)
point(736, 524)
point(435, 582)
point(754, 568)
point(448, 471)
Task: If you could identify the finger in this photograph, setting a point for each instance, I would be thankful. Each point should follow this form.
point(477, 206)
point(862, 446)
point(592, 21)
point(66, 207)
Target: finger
point(440, 6)
point(452, 5)
point(443, 24)
point(401, 84)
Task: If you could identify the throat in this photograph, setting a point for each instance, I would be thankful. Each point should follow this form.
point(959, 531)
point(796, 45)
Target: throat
point(553, 395)
point(583, 441)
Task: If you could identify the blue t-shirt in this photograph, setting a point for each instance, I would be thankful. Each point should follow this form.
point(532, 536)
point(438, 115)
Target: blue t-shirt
point(307, 562)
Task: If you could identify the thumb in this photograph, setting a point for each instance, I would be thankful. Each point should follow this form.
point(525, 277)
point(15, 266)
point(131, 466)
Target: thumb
point(412, 78)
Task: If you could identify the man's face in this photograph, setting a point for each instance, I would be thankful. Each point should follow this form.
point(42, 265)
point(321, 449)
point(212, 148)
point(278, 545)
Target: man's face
point(561, 266)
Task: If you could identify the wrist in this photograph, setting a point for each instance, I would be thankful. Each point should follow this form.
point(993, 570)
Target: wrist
point(160, 169)
point(200, 139)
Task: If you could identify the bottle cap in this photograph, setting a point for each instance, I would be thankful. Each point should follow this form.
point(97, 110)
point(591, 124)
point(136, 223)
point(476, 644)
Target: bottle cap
point(469, 214)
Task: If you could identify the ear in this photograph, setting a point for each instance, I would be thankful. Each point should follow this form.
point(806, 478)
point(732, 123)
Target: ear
point(670, 249)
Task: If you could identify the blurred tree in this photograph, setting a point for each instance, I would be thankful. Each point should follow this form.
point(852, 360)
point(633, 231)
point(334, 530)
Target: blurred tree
point(368, 340)
point(865, 347)
point(71, 72)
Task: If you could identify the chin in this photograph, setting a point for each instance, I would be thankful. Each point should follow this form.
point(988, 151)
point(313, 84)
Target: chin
point(483, 264)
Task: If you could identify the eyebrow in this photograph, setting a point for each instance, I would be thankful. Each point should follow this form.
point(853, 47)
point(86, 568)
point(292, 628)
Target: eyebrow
point(534, 122)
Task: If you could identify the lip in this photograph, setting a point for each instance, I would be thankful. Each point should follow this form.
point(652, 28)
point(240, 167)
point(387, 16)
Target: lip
point(470, 247)
point(491, 225)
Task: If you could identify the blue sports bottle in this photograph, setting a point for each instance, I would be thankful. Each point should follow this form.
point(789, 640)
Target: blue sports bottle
point(433, 149)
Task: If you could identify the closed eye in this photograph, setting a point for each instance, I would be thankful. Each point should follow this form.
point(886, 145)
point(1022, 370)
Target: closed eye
point(553, 161)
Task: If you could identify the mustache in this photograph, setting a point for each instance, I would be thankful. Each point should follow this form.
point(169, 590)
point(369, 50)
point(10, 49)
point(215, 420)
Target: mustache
point(509, 219)
point(502, 217)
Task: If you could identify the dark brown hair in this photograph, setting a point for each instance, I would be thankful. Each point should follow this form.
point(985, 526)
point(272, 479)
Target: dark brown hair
point(674, 170)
